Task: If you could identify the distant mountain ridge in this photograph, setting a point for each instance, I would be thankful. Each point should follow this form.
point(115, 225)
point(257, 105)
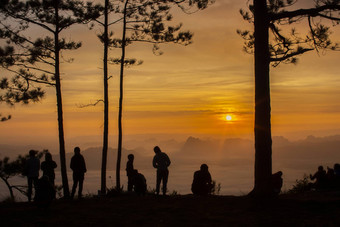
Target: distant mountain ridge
point(309, 151)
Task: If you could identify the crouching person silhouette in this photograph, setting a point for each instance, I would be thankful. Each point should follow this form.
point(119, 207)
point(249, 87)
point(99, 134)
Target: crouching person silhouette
point(277, 182)
point(202, 184)
point(78, 167)
point(139, 183)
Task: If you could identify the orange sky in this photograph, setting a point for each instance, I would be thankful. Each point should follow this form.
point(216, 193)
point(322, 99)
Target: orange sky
point(187, 90)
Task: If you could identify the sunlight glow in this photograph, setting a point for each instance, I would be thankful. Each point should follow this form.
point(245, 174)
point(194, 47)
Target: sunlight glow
point(228, 118)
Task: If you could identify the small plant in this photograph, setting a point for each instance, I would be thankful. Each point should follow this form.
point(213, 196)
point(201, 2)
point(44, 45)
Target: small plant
point(174, 193)
point(151, 191)
point(216, 188)
point(111, 192)
point(58, 190)
point(301, 185)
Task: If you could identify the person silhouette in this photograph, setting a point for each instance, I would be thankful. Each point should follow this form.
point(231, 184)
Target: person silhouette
point(337, 175)
point(319, 177)
point(161, 162)
point(32, 172)
point(139, 182)
point(130, 171)
point(277, 182)
point(45, 192)
point(48, 167)
point(202, 183)
point(78, 167)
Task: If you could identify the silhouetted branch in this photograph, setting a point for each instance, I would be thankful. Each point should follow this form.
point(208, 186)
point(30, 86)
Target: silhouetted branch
point(313, 12)
point(292, 54)
point(91, 104)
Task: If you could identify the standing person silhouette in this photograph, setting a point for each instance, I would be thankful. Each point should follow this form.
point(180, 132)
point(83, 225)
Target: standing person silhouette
point(130, 171)
point(48, 167)
point(78, 167)
point(161, 162)
point(32, 172)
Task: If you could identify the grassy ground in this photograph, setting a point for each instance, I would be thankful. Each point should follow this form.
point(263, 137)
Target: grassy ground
point(312, 209)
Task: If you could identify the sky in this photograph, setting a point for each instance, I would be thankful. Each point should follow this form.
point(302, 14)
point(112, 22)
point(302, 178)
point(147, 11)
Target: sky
point(189, 90)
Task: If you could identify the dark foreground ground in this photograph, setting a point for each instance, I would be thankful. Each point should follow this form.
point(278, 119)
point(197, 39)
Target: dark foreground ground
point(313, 209)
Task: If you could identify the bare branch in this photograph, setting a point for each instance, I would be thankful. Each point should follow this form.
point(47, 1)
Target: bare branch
point(91, 104)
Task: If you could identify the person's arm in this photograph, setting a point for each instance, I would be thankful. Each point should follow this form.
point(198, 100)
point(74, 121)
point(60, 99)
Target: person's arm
point(209, 178)
point(154, 162)
point(72, 163)
point(84, 164)
point(168, 160)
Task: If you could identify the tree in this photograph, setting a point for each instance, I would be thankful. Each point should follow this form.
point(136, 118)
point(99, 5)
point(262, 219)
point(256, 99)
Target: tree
point(41, 56)
point(9, 169)
point(117, 7)
point(146, 21)
point(16, 90)
point(271, 45)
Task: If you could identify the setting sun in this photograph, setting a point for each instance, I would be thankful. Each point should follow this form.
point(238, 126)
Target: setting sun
point(228, 118)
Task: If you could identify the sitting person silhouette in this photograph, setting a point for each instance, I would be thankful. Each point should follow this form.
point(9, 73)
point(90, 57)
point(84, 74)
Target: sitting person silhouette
point(139, 183)
point(202, 183)
point(277, 182)
point(320, 178)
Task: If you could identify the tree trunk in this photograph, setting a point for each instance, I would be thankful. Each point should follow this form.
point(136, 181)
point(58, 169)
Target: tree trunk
point(106, 101)
point(60, 106)
point(263, 140)
point(120, 130)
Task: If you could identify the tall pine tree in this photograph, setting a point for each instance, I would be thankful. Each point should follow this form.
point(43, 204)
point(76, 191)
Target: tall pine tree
point(42, 54)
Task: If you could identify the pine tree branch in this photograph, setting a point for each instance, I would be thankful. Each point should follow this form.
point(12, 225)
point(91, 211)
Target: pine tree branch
point(292, 54)
point(313, 12)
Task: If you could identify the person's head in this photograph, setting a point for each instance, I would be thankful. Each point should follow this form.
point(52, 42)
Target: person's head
point(156, 149)
point(278, 174)
point(131, 157)
point(337, 167)
point(32, 153)
point(320, 168)
point(48, 156)
point(76, 150)
point(204, 167)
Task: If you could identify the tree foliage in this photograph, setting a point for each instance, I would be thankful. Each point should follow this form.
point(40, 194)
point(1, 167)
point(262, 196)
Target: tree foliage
point(145, 21)
point(38, 59)
point(286, 41)
point(272, 44)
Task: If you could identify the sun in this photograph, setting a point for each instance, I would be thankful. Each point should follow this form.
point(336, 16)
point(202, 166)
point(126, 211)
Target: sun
point(228, 118)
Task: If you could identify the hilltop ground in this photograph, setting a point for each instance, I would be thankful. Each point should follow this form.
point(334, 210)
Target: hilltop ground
point(313, 209)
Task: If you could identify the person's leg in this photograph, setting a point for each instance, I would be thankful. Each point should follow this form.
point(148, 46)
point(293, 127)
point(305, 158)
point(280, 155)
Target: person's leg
point(29, 190)
point(130, 184)
point(165, 180)
point(75, 183)
point(158, 181)
point(35, 183)
point(80, 190)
